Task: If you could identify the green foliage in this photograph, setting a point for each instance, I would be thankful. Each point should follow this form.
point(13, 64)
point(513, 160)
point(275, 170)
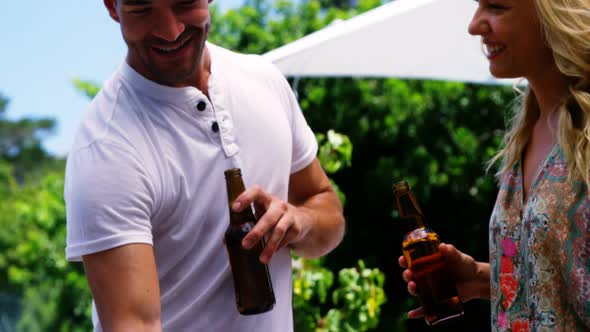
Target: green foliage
point(311, 283)
point(260, 26)
point(355, 303)
point(335, 151)
point(7, 182)
point(32, 229)
point(53, 292)
point(88, 88)
point(20, 141)
point(3, 103)
point(361, 296)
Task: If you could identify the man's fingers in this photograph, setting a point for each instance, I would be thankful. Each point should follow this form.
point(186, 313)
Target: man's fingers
point(272, 245)
point(259, 209)
point(291, 235)
point(254, 194)
point(263, 226)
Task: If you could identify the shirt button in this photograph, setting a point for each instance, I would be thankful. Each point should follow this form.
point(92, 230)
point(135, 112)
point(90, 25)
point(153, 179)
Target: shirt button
point(201, 106)
point(215, 127)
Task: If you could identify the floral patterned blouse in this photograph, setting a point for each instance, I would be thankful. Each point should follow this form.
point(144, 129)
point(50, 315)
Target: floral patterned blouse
point(540, 252)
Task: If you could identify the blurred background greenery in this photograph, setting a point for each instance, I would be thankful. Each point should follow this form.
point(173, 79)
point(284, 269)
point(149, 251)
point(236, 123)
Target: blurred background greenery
point(372, 133)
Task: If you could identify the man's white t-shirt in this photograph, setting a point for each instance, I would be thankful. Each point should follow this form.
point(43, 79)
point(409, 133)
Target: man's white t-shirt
point(148, 167)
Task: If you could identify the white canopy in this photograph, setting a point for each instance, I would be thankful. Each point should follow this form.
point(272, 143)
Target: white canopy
point(422, 39)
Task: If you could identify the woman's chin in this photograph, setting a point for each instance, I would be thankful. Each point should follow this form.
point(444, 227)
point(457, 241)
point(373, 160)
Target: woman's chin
point(504, 73)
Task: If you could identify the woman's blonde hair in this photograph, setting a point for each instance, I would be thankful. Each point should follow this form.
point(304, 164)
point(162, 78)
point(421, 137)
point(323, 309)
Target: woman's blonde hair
point(566, 26)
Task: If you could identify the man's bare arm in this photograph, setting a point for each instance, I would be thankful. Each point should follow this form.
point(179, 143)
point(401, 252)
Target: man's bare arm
point(124, 285)
point(311, 192)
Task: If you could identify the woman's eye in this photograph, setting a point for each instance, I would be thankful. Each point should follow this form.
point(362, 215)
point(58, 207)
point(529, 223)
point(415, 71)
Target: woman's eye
point(495, 6)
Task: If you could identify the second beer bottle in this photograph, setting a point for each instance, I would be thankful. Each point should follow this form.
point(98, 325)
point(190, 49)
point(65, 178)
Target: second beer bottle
point(253, 286)
point(435, 286)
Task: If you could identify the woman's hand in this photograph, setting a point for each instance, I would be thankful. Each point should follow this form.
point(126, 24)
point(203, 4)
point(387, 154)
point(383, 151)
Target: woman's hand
point(473, 278)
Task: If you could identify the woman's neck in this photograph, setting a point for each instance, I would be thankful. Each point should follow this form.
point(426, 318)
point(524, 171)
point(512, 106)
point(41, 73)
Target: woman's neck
point(550, 88)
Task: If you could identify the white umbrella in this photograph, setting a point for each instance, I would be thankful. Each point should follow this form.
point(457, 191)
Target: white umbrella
point(422, 39)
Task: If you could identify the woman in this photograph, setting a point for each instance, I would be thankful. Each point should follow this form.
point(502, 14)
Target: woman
point(538, 277)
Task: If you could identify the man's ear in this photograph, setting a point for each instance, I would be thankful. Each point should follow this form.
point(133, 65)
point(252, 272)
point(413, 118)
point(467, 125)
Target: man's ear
point(112, 8)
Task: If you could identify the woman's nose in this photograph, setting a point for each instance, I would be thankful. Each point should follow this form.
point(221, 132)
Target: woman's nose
point(478, 24)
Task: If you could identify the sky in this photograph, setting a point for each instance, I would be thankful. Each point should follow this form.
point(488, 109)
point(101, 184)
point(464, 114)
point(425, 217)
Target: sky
point(44, 46)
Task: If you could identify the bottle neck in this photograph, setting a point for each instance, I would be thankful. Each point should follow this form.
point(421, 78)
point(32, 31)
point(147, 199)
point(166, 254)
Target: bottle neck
point(409, 211)
point(412, 223)
point(235, 187)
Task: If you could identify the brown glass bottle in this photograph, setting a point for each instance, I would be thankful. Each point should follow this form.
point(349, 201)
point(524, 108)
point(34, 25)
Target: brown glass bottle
point(252, 283)
point(436, 290)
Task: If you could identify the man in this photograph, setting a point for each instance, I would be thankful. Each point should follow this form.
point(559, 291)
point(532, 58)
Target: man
point(145, 191)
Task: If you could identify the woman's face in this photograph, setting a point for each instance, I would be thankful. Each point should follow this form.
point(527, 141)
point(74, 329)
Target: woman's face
point(512, 37)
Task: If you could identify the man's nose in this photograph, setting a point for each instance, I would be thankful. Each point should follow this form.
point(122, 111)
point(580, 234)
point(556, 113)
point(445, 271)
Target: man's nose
point(168, 27)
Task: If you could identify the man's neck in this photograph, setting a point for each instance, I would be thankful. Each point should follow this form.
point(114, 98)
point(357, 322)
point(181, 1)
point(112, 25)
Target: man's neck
point(204, 72)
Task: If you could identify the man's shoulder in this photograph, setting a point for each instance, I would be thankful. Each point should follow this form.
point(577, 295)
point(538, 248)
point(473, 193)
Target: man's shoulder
point(108, 95)
point(105, 117)
point(223, 53)
point(250, 63)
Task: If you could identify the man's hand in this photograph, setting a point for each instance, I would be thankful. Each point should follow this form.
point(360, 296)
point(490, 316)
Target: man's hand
point(280, 222)
point(311, 222)
point(473, 278)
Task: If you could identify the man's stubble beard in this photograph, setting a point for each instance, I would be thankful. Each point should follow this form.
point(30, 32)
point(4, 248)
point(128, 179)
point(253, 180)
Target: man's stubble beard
point(170, 76)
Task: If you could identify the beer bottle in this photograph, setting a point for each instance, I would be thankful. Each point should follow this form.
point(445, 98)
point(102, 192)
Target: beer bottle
point(252, 283)
point(435, 288)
